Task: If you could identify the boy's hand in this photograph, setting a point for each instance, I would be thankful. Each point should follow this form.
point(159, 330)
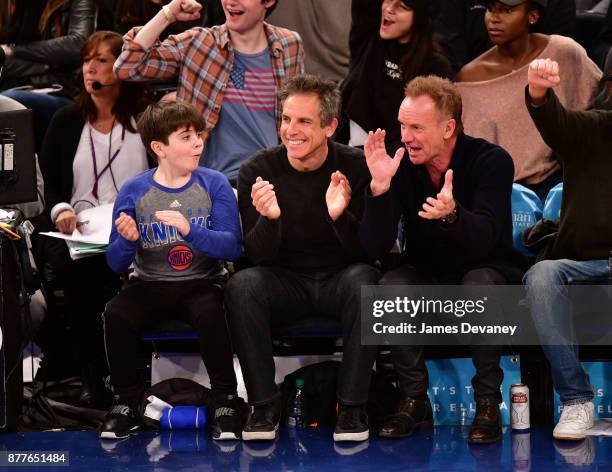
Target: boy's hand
point(126, 227)
point(264, 199)
point(185, 10)
point(174, 218)
point(66, 222)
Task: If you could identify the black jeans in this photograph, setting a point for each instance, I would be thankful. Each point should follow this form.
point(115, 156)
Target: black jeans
point(143, 304)
point(410, 360)
point(259, 297)
point(90, 284)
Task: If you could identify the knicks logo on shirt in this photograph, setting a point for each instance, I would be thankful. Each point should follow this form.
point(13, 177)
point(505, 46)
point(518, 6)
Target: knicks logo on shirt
point(180, 257)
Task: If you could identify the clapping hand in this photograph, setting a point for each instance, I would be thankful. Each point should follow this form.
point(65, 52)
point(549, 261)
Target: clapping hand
point(444, 203)
point(382, 167)
point(264, 199)
point(126, 227)
point(338, 195)
point(174, 218)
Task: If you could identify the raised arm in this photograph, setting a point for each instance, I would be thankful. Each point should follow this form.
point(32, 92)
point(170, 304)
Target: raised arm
point(143, 57)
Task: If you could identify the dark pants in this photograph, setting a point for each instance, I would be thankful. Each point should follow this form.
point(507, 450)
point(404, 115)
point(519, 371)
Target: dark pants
point(410, 360)
point(90, 284)
point(143, 304)
point(258, 298)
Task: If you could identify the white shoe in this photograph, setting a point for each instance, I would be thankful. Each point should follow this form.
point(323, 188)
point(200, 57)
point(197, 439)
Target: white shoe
point(575, 420)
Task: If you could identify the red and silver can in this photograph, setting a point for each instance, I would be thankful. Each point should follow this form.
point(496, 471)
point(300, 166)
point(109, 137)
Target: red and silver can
point(519, 406)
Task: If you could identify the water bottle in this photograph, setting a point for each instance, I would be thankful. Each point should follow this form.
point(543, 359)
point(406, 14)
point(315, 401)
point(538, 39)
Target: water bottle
point(295, 413)
point(183, 417)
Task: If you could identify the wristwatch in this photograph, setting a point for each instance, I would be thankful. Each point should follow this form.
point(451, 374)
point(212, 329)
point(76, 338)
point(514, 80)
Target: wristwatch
point(452, 216)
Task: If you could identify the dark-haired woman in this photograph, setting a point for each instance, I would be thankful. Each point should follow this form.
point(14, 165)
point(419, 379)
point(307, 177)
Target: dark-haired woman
point(390, 42)
point(91, 148)
point(42, 40)
point(493, 86)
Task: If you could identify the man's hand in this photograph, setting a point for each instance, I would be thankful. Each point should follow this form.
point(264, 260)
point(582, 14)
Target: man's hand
point(444, 203)
point(542, 75)
point(66, 222)
point(382, 166)
point(126, 227)
point(264, 199)
point(338, 195)
point(174, 218)
point(185, 10)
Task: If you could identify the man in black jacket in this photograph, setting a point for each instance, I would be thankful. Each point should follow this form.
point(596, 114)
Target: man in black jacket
point(301, 206)
point(453, 193)
point(583, 140)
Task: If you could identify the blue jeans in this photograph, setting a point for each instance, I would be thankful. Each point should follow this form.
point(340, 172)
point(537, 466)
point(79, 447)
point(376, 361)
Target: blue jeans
point(547, 294)
point(43, 107)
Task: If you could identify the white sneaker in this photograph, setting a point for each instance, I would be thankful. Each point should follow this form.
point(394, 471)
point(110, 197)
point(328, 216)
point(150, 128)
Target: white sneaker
point(575, 420)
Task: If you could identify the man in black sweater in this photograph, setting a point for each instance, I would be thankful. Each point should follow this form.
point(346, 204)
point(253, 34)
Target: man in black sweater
point(453, 193)
point(582, 246)
point(301, 205)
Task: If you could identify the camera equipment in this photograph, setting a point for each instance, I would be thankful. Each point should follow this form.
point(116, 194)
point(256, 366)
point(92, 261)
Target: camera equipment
point(17, 158)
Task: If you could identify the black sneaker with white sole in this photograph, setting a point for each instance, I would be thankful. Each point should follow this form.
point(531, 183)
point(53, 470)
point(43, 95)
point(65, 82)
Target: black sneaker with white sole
point(228, 417)
point(262, 424)
point(352, 424)
point(119, 423)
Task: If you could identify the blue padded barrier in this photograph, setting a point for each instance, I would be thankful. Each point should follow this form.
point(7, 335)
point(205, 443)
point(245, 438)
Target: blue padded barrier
point(526, 211)
point(552, 205)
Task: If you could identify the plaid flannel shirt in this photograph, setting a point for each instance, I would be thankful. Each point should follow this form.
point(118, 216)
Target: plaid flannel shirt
point(203, 59)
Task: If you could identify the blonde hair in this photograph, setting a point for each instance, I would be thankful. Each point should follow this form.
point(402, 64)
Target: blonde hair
point(443, 93)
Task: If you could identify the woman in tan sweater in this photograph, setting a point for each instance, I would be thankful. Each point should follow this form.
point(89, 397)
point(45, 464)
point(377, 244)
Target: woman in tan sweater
point(493, 86)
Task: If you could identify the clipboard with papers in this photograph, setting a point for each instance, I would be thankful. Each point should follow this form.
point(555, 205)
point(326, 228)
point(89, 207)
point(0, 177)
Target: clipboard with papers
point(93, 232)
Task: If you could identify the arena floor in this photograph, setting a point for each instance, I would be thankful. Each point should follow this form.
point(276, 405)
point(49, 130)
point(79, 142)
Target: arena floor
point(442, 449)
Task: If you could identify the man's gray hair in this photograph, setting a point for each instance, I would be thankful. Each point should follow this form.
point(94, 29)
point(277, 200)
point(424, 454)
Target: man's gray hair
point(326, 90)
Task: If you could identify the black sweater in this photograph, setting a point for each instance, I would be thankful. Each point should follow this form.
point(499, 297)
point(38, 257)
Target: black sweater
point(583, 140)
point(304, 238)
point(57, 154)
point(482, 235)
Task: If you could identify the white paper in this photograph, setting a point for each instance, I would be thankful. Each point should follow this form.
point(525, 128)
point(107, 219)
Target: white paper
point(95, 229)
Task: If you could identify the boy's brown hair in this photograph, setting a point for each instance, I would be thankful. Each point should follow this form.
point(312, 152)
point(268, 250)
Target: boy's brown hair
point(161, 119)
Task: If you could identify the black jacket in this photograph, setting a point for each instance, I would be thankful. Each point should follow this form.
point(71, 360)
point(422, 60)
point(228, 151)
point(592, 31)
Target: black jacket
point(62, 54)
point(481, 236)
point(57, 155)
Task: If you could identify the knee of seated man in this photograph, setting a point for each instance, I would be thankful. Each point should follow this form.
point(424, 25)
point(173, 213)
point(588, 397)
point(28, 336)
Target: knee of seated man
point(361, 274)
point(542, 273)
point(249, 282)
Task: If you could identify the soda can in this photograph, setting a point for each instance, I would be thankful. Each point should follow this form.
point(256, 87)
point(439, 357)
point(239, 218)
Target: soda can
point(519, 406)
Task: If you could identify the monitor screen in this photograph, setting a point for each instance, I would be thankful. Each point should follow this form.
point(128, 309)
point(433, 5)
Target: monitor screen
point(17, 158)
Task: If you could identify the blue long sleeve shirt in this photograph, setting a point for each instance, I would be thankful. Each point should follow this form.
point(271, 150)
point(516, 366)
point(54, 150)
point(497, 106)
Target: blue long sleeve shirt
point(161, 252)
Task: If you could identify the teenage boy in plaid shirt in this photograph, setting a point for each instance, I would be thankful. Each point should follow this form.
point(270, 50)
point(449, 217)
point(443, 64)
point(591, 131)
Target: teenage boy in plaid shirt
point(231, 73)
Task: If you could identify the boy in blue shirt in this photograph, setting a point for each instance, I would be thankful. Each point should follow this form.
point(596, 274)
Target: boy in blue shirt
point(175, 223)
